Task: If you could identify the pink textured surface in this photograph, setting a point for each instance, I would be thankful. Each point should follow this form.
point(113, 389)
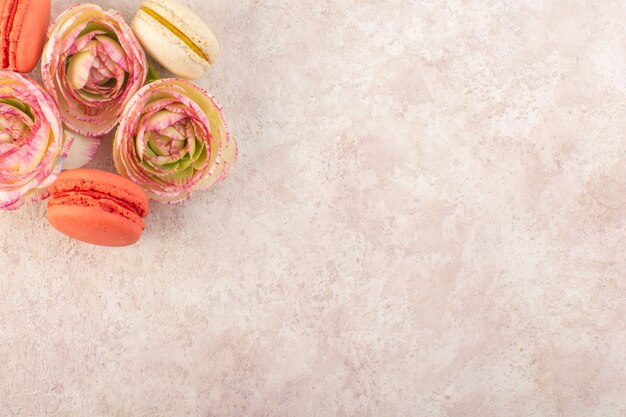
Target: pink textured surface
point(427, 218)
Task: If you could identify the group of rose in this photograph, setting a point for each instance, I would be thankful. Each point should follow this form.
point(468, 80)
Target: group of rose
point(172, 139)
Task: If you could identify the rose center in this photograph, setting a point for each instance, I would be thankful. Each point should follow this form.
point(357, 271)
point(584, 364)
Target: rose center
point(99, 69)
point(5, 137)
point(100, 78)
point(12, 129)
point(172, 149)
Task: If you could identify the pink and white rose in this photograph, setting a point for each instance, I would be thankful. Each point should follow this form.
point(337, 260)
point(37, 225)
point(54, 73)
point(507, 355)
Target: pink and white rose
point(173, 140)
point(92, 65)
point(32, 144)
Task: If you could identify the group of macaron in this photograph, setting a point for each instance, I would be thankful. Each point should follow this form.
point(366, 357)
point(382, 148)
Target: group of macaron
point(171, 139)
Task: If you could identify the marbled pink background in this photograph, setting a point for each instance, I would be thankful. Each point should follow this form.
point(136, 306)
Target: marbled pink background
point(428, 219)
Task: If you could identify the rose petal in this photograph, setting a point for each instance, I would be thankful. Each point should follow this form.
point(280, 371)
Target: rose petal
point(79, 67)
point(82, 150)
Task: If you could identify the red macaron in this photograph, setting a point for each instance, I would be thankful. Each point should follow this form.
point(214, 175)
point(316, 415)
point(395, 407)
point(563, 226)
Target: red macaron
point(23, 27)
point(97, 207)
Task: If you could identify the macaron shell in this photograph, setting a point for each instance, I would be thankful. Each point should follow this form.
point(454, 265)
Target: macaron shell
point(94, 225)
point(28, 35)
point(167, 49)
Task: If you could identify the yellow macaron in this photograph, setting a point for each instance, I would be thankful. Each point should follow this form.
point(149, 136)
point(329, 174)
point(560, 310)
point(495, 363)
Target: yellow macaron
point(176, 38)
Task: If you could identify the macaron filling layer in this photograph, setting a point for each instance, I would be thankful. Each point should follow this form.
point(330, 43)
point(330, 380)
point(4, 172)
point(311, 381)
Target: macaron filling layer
point(8, 17)
point(104, 201)
point(191, 44)
point(98, 192)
